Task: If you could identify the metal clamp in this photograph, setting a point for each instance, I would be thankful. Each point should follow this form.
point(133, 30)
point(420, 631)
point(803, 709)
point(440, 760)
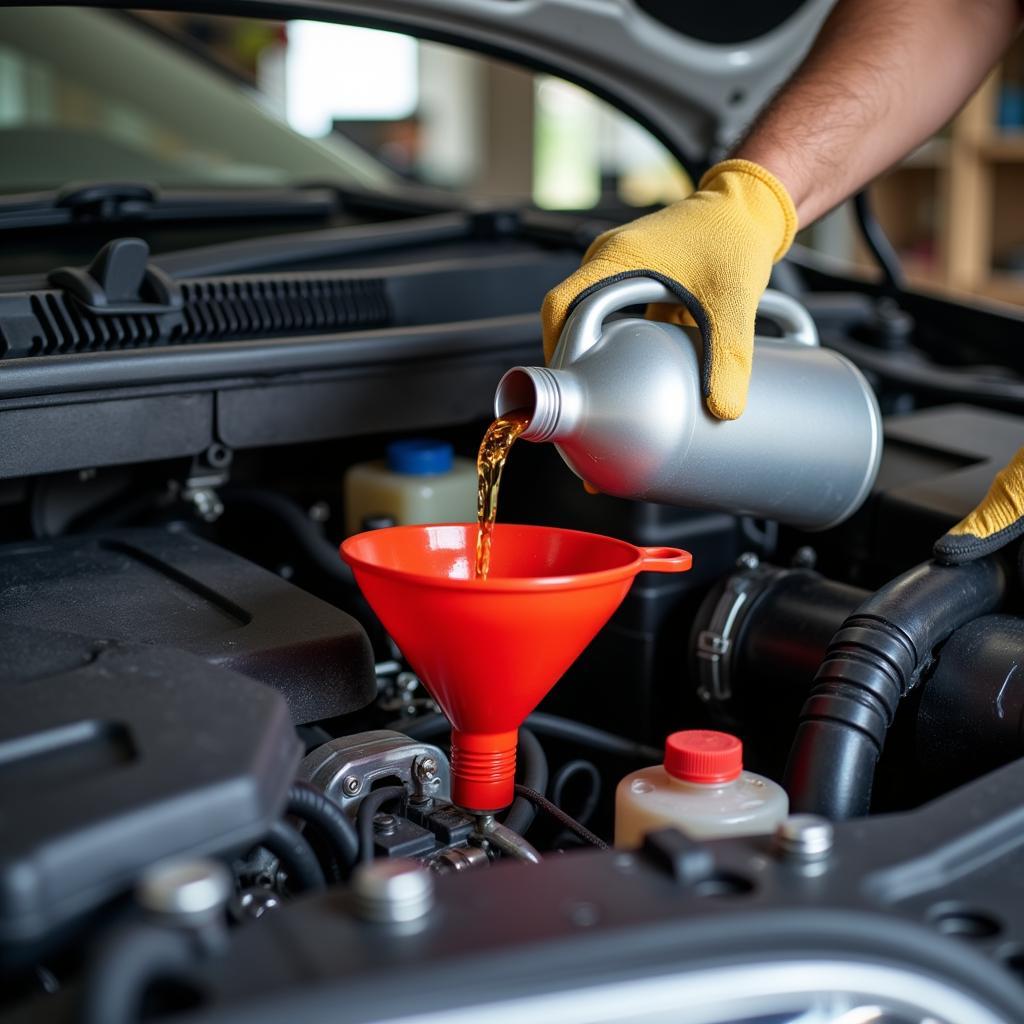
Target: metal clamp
point(714, 644)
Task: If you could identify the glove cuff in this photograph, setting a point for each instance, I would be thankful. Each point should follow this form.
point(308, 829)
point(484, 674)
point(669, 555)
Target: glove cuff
point(998, 520)
point(777, 189)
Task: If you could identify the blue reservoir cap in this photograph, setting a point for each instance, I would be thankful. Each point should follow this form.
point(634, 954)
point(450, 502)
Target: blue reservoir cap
point(420, 457)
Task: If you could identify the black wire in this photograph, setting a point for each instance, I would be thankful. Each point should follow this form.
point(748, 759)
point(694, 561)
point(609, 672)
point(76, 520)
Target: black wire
point(878, 242)
point(593, 794)
point(289, 846)
point(328, 819)
point(948, 383)
point(545, 805)
point(534, 773)
point(369, 807)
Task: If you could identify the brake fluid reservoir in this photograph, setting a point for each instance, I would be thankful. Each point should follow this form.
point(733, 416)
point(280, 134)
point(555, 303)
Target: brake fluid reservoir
point(701, 789)
point(421, 481)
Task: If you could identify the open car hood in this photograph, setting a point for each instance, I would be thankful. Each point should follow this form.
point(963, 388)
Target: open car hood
point(695, 75)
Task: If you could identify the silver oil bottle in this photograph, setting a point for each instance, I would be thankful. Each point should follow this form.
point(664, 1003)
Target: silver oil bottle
point(622, 402)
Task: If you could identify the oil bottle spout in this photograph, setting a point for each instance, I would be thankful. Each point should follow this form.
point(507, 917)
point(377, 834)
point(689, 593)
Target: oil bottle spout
point(551, 398)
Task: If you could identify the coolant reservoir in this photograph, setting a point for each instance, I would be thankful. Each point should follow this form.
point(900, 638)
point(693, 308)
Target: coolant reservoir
point(421, 481)
point(701, 789)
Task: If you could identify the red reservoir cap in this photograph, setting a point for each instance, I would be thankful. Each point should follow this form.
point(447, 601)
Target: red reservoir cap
point(703, 755)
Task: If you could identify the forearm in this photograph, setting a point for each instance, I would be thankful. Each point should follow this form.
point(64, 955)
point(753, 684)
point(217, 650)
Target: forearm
point(881, 78)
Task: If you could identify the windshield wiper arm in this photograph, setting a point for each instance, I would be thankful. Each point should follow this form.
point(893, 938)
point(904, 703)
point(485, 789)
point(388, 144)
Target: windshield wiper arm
point(115, 201)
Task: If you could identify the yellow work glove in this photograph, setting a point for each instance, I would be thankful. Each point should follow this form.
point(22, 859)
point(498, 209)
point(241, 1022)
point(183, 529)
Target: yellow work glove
point(715, 250)
point(995, 522)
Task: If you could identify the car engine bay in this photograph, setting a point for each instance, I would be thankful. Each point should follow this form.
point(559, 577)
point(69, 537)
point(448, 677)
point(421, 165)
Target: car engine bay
point(190, 670)
point(226, 794)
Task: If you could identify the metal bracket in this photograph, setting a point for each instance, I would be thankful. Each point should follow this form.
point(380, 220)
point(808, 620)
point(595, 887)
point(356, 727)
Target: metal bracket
point(346, 768)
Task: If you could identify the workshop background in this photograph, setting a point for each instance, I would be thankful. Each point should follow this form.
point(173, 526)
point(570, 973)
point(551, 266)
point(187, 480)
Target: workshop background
point(449, 119)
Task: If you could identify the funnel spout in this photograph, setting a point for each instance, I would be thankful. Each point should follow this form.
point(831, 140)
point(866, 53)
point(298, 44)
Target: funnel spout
point(483, 769)
point(550, 397)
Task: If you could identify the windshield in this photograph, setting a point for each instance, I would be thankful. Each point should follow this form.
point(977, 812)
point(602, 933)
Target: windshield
point(93, 95)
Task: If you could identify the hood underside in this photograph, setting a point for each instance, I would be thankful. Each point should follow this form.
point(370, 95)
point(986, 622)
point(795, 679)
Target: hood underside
point(695, 79)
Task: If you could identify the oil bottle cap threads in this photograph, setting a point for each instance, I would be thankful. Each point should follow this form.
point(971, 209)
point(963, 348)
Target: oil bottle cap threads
point(536, 391)
point(703, 755)
point(420, 457)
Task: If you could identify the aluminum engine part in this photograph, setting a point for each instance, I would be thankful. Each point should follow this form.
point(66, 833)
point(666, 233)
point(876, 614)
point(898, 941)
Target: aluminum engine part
point(346, 768)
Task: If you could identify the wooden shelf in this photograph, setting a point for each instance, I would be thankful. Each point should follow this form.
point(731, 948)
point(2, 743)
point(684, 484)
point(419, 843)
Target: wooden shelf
point(1004, 286)
point(1004, 148)
point(921, 271)
point(955, 205)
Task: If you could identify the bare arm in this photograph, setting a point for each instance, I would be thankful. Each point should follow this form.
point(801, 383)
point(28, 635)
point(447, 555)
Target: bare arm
point(881, 78)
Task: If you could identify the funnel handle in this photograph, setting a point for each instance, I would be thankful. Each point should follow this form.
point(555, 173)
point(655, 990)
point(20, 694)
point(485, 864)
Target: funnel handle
point(665, 560)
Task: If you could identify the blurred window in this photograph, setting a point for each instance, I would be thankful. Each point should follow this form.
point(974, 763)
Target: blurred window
point(191, 100)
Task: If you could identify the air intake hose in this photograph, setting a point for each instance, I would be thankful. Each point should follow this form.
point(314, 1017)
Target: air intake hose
point(876, 657)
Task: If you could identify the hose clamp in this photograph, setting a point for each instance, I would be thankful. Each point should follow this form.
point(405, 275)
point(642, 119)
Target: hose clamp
point(714, 644)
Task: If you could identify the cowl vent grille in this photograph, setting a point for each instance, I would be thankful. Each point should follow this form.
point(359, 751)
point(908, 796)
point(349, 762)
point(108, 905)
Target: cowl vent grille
point(50, 322)
point(218, 308)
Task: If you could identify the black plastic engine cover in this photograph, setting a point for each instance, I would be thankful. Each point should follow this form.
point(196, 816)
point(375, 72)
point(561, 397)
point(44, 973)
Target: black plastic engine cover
point(132, 755)
point(169, 587)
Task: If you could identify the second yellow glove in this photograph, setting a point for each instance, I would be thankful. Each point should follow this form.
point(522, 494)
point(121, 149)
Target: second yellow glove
point(998, 519)
point(715, 250)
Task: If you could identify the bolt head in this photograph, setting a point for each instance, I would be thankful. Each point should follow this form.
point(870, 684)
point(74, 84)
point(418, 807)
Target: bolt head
point(207, 504)
point(385, 824)
point(426, 768)
point(351, 785)
point(254, 903)
point(392, 891)
point(320, 512)
point(407, 681)
point(805, 557)
point(805, 836)
point(186, 889)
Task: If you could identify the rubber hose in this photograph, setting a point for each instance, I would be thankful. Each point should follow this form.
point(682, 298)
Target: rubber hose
point(296, 856)
point(309, 535)
point(124, 967)
point(878, 243)
point(534, 771)
point(593, 795)
point(875, 659)
point(368, 808)
point(588, 736)
point(319, 810)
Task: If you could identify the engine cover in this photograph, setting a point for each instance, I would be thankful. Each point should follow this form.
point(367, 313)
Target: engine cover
point(110, 765)
point(171, 588)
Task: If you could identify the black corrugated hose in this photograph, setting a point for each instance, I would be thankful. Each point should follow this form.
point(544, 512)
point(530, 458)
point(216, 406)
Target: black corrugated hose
point(877, 656)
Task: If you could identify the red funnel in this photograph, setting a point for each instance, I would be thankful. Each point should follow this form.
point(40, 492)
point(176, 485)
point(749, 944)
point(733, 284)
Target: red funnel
point(489, 650)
